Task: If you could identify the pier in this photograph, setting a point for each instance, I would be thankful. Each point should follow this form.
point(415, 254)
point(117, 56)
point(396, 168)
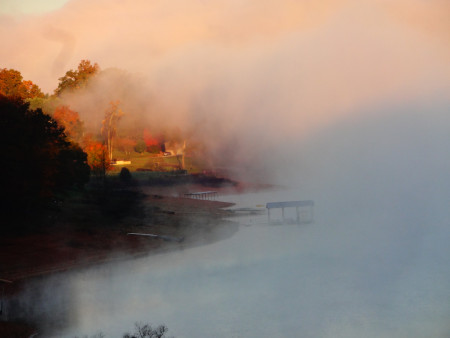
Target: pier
point(202, 195)
point(304, 211)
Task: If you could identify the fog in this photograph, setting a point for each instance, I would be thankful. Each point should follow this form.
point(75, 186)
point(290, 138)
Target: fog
point(375, 263)
point(344, 102)
point(372, 270)
point(246, 79)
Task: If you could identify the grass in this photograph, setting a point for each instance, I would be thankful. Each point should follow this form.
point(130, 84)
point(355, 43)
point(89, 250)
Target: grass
point(157, 163)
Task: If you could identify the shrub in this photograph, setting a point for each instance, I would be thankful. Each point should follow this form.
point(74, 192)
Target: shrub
point(125, 175)
point(140, 146)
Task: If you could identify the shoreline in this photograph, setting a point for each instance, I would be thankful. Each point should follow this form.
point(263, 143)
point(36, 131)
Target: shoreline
point(131, 248)
point(57, 250)
point(82, 244)
point(79, 242)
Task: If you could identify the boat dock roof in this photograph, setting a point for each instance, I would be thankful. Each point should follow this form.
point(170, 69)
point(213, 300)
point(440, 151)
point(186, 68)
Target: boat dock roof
point(290, 204)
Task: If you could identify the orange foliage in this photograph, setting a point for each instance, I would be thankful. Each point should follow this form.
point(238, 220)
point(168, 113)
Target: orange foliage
point(70, 120)
point(97, 157)
point(13, 85)
point(31, 90)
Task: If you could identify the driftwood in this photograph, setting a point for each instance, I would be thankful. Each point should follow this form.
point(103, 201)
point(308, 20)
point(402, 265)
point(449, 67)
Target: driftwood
point(163, 237)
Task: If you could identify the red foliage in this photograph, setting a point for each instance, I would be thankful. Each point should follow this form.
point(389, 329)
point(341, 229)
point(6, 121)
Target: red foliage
point(149, 139)
point(97, 157)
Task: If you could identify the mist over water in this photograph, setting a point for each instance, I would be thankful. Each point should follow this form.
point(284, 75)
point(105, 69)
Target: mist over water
point(345, 103)
point(375, 263)
point(283, 284)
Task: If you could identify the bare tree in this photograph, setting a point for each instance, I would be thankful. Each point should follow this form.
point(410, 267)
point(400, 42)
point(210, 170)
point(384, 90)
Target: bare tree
point(147, 331)
point(141, 331)
point(109, 125)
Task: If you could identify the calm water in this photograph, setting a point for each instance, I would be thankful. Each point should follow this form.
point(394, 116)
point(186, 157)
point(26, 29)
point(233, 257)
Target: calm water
point(349, 274)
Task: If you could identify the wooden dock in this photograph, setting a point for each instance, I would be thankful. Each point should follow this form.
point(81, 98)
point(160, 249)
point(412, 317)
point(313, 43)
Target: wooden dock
point(304, 210)
point(202, 195)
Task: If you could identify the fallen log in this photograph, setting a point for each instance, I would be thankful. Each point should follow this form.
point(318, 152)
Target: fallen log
point(163, 237)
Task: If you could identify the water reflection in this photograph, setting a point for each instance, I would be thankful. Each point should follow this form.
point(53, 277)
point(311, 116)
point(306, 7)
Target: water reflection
point(342, 276)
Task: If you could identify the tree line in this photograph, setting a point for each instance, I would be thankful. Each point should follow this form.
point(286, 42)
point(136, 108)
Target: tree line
point(46, 147)
point(39, 162)
point(44, 154)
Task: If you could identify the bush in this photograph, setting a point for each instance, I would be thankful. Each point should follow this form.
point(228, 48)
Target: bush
point(125, 175)
point(140, 146)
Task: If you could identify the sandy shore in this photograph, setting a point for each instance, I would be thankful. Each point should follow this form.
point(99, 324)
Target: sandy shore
point(65, 246)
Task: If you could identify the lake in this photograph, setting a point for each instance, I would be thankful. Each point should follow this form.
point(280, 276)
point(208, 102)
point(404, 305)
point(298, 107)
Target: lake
point(354, 272)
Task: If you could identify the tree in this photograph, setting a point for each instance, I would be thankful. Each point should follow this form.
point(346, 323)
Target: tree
point(141, 331)
point(140, 147)
point(147, 331)
point(47, 104)
point(97, 157)
point(76, 170)
point(76, 79)
point(13, 85)
point(31, 90)
point(109, 125)
point(70, 120)
point(39, 162)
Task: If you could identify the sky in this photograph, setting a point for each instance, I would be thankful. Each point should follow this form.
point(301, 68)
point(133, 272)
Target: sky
point(20, 7)
point(245, 77)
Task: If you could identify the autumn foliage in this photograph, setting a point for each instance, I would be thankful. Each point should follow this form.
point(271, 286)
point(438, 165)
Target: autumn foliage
point(97, 156)
point(77, 79)
point(71, 122)
point(12, 85)
point(153, 144)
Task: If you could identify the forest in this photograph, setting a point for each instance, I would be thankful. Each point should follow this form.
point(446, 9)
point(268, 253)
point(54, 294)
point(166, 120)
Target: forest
point(48, 150)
